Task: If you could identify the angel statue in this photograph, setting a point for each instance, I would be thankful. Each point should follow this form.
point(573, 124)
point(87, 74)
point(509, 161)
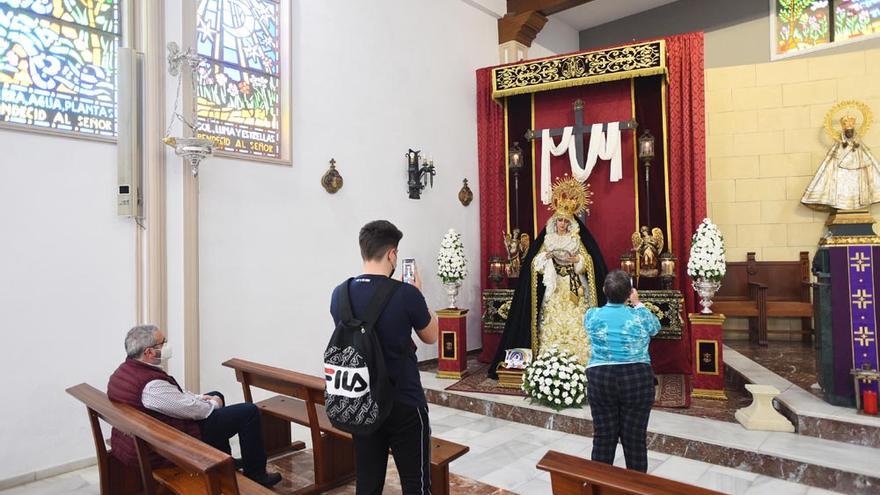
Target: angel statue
point(517, 245)
point(648, 248)
point(849, 176)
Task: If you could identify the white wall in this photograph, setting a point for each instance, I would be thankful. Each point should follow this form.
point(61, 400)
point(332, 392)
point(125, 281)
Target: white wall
point(556, 37)
point(66, 293)
point(369, 82)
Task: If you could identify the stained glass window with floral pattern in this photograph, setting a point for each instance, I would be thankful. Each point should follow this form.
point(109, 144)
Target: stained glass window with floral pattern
point(803, 25)
point(58, 64)
point(854, 18)
point(239, 90)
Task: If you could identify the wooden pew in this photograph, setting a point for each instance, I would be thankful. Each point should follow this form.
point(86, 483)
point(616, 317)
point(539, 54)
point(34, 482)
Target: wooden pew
point(759, 290)
point(739, 296)
point(302, 402)
point(198, 467)
point(570, 475)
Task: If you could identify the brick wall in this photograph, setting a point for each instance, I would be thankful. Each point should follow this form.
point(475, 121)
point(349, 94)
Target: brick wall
point(765, 141)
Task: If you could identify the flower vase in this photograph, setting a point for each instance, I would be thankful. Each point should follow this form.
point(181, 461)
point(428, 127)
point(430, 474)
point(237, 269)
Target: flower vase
point(452, 291)
point(706, 289)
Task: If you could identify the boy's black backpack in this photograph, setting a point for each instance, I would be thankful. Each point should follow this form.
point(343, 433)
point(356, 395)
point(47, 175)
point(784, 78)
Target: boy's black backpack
point(358, 394)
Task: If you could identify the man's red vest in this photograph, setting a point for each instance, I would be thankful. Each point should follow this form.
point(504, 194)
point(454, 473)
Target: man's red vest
point(127, 386)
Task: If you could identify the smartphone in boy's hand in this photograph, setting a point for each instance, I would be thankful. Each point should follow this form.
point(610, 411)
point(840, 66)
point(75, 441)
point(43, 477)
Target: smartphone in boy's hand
point(409, 270)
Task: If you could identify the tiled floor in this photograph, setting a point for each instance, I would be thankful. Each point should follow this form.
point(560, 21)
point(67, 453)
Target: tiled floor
point(503, 454)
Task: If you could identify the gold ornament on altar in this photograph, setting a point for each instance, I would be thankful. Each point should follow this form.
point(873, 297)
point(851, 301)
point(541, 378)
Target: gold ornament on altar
point(517, 245)
point(848, 121)
point(570, 198)
point(648, 246)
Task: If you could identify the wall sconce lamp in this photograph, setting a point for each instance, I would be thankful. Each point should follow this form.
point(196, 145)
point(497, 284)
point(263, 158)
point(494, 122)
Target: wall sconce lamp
point(667, 270)
point(496, 269)
point(419, 172)
point(515, 164)
point(646, 155)
point(628, 263)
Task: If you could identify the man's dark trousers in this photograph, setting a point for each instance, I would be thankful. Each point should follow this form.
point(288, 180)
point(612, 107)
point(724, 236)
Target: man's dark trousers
point(621, 396)
point(407, 433)
point(242, 419)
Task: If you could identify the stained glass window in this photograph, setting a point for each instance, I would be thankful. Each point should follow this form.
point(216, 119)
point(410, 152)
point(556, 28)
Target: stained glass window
point(58, 64)
point(239, 92)
point(808, 24)
point(854, 18)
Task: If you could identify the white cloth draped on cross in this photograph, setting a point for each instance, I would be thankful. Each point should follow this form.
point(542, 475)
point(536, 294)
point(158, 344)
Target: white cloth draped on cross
point(603, 144)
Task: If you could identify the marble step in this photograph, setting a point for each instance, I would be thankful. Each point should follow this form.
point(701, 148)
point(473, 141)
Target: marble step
point(797, 458)
point(810, 415)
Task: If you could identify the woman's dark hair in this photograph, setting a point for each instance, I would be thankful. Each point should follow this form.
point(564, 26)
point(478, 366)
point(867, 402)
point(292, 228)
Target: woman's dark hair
point(617, 287)
point(376, 238)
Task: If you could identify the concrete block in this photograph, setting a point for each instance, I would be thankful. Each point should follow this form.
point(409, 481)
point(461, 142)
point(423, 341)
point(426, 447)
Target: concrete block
point(759, 143)
point(736, 213)
point(809, 93)
point(719, 100)
point(733, 122)
point(719, 145)
point(760, 189)
point(785, 165)
point(728, 232)
point(740, 76)
point(733, 167)
point(757, 97)
point(834, 66)
point(764, 235)
point(783, 71)
point(805, 140)
point(795, 187)
point(774, 119)
point(787, 211)
point(721, 191)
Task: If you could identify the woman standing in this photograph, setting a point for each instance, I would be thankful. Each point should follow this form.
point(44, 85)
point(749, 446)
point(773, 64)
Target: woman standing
point(621, 382)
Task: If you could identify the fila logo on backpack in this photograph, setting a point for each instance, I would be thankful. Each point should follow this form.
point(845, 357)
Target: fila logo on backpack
point(347, 382)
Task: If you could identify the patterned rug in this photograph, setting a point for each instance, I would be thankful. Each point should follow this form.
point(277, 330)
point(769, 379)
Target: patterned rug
point(477, 381)
point(670, 388)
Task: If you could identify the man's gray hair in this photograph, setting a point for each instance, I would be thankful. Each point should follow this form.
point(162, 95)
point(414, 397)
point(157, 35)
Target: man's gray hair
point(138, 339)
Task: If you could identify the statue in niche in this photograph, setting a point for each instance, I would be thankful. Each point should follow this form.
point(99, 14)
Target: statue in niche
point(648, 246)
point(849, 176)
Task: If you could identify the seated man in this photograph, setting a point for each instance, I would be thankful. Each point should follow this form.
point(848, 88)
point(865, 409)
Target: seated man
point(142, 384)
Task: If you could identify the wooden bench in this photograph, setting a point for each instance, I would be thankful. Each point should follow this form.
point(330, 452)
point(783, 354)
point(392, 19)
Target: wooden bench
point(759, 290)
point(302, 402)
point(198, 467)
point(570, 475)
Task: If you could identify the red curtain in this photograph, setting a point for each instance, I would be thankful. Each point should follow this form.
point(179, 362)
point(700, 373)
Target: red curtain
point(492, 174)
point(492, 171)
point(687, 148)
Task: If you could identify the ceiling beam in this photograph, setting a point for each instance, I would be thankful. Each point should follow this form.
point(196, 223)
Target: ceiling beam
point(520, 27)
point(545, 7)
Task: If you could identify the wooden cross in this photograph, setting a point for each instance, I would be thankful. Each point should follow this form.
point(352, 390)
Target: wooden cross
point(579, 129)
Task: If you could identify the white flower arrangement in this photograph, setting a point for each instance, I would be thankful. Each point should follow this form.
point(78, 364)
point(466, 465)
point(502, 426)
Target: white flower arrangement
point(556, 380)
point(707, 259)
point(451, 263)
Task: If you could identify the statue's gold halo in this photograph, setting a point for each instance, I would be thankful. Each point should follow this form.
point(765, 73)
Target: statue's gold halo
point(843, 106)
point(570, 197)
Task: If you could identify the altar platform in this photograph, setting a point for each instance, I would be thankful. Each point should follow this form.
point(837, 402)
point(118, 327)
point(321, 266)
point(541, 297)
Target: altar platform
point(833, 448)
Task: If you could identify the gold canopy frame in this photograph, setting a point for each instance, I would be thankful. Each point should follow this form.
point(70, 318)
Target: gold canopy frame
point(611, 64)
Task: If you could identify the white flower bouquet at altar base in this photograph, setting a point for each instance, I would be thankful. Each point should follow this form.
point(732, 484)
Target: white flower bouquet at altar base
point(707, 260)
point(556, 380)
point(451, 263)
